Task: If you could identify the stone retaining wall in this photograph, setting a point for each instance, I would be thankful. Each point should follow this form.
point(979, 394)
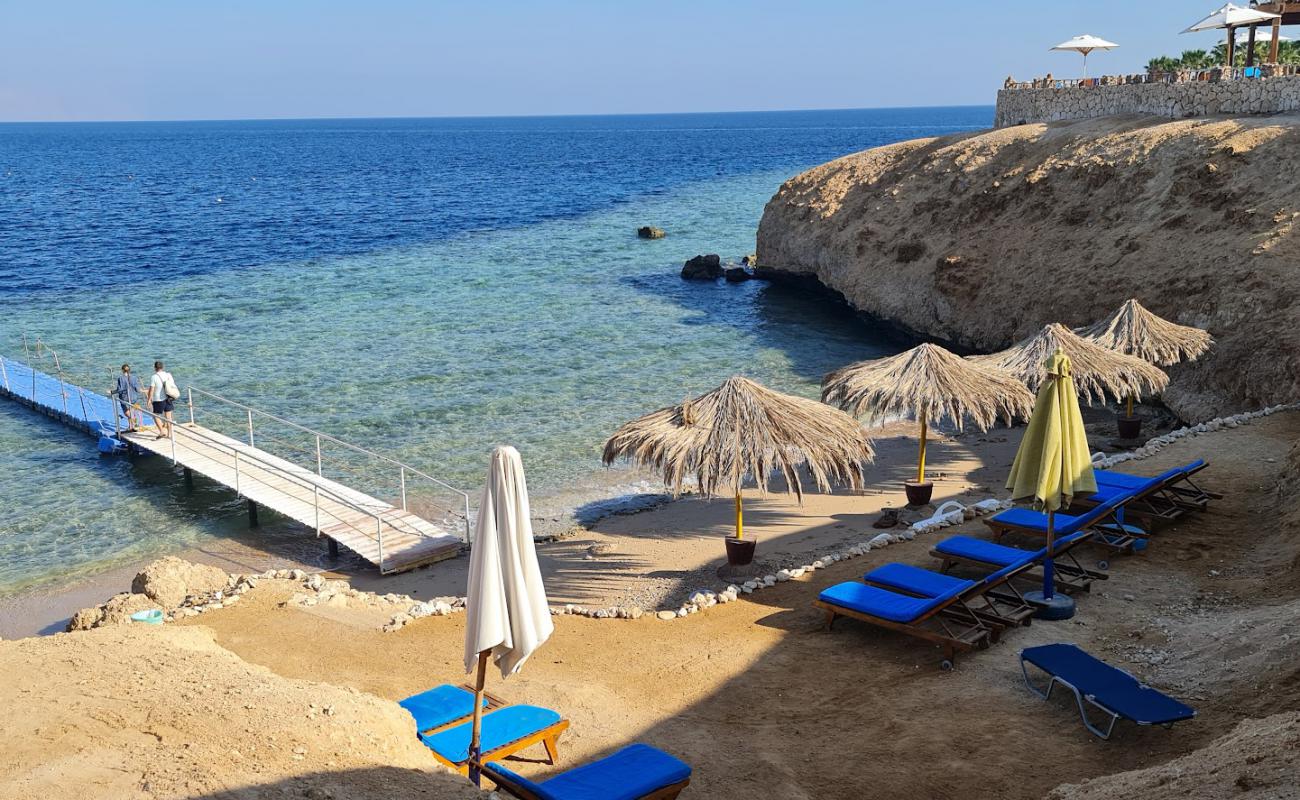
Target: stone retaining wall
point(1017, 106)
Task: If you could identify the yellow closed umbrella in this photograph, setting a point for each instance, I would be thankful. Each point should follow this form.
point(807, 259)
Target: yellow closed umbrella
point(1053, 464)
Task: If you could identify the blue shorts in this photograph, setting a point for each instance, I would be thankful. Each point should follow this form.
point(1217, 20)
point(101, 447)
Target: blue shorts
point(163, 406)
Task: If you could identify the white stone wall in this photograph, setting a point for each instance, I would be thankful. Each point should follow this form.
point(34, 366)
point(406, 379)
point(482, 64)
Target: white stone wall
point(1174, 100)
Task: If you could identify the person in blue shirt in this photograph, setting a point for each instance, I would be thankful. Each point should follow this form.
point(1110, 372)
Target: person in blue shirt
point(127, 391)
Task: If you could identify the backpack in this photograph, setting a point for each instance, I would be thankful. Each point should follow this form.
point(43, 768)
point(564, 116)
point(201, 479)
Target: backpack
point(170, 389)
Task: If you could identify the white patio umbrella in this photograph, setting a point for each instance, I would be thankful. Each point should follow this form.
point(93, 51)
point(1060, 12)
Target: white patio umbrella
point(1230, 16)
point(1085, 44)
point(507, 616)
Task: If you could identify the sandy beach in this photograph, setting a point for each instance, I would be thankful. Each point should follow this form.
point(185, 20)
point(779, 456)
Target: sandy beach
point(755, 694)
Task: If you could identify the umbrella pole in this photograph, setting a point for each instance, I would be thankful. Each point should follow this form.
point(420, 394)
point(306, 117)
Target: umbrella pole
point(740, 516)
point(1130, 407)
point(920, 466)
point(1047, 562)
point(477, 725)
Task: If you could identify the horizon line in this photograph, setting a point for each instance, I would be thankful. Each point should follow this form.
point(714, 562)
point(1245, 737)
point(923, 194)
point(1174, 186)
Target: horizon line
point(476, 116)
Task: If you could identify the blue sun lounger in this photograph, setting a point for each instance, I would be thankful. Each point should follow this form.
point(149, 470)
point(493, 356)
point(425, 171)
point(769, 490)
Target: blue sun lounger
point(944, 619)
point(504, 731)
point(1070, 574)
point(637, 772)
point(440, 706)
point(996, 601)
point(1181, 489)
point(1106, 517)
point(1110, 690)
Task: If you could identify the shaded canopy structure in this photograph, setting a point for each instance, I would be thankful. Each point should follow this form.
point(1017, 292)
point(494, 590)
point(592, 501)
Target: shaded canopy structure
point(1134, 330)
point(928, 384)
point(1097, 370)
point(743, 428)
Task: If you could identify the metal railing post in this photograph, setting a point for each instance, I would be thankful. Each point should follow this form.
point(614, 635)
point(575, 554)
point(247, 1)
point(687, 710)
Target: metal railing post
point(402, 471)
point(173, 438)
point(63, 393)
point(318, 468)
point(468, 534)
point(250, 427)
point(189, 399)
point(33, 369)
point(117, 425)
point(379, 530)
point(4, 373)
point(315, 497)
point(237, 491)
point(81, 395)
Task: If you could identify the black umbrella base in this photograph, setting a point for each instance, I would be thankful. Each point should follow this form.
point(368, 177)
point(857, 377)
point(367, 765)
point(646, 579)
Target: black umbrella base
point(1060, 606)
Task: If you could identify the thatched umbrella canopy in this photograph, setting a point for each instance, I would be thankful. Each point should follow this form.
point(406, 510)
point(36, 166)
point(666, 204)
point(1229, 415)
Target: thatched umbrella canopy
point(1134, 330)
point(1097, 370)
point(742, 428)
point(928, 384)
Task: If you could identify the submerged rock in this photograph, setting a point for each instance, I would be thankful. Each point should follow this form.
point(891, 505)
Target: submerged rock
point(703, 268)
point(736, 274)
point(650, 232)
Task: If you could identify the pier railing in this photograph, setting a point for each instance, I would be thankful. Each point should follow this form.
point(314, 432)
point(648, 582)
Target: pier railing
point(410, 488)
point(334, 459)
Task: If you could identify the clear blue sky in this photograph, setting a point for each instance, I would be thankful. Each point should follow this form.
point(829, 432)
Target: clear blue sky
point(236, 59)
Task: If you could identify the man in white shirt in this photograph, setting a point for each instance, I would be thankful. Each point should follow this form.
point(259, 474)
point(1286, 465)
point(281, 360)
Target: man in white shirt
point(163, 404)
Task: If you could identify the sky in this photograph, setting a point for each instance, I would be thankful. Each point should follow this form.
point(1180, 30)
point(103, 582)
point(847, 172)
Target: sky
point(240, 59)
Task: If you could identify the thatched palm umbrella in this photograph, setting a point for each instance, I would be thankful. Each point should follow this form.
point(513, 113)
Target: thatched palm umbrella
point(1135, 331)
point(928, 384)
point(744, 429)
point(1097, 370)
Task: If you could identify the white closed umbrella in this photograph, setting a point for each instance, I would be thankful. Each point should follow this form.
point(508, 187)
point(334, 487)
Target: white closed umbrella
point(1085, 44)
point(507, 616)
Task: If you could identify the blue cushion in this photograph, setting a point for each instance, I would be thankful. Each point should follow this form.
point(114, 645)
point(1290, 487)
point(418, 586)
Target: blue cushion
point(1109, 478)
point(916, 580)
point(1113, 688)
point(439, 706)
point(631, 773)
point(972, 549)
point(878, 602)
point(500, 728)
point(1028, 519)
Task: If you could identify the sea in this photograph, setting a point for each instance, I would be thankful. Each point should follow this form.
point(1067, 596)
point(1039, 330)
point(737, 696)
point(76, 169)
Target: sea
point(422, 288)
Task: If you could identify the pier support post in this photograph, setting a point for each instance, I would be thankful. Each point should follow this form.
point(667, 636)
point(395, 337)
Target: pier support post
point(252, 514)
point(189, 478)
point(334, 548)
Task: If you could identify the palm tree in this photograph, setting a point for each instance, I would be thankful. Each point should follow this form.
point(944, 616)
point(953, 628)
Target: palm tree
point(1162, 64)
point(1195, 59)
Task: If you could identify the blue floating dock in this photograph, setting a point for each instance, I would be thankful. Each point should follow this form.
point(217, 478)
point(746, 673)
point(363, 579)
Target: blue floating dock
point(66, 402)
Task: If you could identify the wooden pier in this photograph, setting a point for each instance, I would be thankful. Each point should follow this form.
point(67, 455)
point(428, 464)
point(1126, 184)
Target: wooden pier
point(389, 536)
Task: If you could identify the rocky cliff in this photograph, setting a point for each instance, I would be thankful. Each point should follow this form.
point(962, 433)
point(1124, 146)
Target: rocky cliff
point(976, 240)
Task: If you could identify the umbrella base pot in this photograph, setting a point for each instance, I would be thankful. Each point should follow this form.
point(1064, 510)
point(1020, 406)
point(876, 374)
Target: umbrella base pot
point(1060, 606)
point(740, 551)
point(1129, 427)
point(918, 494)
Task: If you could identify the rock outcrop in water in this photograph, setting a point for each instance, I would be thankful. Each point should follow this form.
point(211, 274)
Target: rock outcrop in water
point(979, 239)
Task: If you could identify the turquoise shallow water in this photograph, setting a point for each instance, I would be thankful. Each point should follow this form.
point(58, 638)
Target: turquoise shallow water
point(545, 335)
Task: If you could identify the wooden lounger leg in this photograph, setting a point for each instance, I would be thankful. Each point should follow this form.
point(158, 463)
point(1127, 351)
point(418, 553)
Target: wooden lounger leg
point(668, 792)
point(830, 619)
point(552, 745)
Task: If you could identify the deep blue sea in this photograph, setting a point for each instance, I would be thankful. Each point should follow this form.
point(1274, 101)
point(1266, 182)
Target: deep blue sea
point(429, 287)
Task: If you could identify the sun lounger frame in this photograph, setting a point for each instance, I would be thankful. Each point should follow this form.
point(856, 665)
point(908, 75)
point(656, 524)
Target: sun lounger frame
point(1070, 575)
point(549, 737)
point(1080, 698)
point(1020, 613)
point(1122, 539)
point(515, 790)
point(978, 634)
